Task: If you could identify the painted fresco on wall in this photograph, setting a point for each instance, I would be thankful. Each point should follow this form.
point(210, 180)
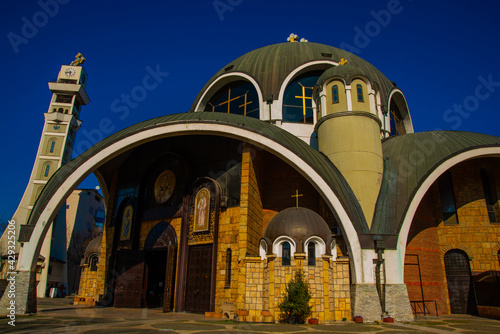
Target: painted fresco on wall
point(201, 213)
point(128, 213)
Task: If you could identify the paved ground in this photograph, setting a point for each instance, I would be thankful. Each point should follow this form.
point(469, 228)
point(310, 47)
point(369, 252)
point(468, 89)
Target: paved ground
point(59, 316)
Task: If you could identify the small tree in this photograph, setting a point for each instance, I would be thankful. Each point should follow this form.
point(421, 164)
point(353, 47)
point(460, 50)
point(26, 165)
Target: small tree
point(295, 307)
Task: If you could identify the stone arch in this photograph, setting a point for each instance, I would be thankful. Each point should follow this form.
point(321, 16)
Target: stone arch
point(81, 167)
point(432, 177)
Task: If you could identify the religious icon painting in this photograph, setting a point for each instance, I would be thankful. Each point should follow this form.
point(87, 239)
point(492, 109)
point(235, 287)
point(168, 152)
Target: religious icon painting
point(164, 186)
point(202, 211)
point(127, 217)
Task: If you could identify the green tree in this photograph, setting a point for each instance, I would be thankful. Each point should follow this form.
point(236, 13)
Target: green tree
point(295, 307)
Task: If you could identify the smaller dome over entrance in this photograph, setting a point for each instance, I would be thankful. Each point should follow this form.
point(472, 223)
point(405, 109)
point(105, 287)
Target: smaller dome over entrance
point(299, 224)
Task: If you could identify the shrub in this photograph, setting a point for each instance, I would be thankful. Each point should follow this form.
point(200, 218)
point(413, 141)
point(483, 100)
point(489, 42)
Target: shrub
point(295, 307)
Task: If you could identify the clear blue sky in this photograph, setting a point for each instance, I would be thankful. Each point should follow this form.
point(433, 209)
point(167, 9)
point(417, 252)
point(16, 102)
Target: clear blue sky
point(438, 53)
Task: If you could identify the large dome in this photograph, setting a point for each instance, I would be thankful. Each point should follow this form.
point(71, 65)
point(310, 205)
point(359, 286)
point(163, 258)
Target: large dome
point(269, 66)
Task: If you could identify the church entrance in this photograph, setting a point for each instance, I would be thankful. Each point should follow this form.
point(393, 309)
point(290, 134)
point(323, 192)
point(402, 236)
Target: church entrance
point(156, 263)
point(460, 287)
point(199, 276)
point(129, 284)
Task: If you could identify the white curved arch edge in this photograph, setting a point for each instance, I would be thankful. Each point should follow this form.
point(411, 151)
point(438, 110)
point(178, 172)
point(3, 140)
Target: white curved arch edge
point(27, 256)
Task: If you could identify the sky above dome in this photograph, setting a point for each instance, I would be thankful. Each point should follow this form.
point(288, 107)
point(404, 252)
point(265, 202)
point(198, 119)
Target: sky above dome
point(443, 55)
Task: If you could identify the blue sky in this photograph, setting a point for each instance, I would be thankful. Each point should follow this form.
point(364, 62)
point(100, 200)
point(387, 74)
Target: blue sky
point(443, 55)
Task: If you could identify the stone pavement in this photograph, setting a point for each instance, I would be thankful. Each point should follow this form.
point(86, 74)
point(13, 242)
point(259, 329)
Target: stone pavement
point(59, 316)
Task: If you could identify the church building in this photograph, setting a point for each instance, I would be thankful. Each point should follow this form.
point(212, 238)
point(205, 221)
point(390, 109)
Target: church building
point(294, 156)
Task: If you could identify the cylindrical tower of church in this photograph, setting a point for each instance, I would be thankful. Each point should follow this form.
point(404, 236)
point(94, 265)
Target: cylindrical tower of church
point(349, 133)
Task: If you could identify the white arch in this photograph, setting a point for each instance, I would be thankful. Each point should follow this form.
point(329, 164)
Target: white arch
point(279, 241)
point(320, 250)
point(291, 76)
point(407, 122)
point(27, 257)
point(422, 190)
point(225, 79)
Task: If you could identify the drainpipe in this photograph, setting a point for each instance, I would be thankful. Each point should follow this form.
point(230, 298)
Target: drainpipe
point(379, 248)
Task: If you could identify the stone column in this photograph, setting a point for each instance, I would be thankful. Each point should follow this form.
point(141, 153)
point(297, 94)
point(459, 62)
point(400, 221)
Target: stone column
point(397, 302)
point(365, 302)
point(20, 294)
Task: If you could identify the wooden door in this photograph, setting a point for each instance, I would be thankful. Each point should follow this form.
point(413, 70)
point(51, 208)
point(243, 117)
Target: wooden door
point(199, 275)
point(460, 288)
point(129, 284)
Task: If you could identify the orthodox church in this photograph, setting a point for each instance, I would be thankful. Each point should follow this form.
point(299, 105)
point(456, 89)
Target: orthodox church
point(294, 156)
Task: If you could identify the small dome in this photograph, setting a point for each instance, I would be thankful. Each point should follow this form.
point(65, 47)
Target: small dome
point(299, 224)
point(94, 247)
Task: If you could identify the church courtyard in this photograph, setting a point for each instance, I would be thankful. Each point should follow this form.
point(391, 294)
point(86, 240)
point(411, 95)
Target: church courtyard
point(59, 316)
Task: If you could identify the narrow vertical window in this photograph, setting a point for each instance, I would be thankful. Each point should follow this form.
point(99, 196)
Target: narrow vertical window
point(311, 250)
point(285, 251)
point(498, 255)
point(229, 255)
point(359, 90)
point(335, 94)
point(52, 146)
point(447, 199)
point(94, 260)
point(490, 195)
point(47, 169)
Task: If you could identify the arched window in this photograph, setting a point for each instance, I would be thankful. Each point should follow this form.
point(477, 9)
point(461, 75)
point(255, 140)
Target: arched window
point(47, 170)
point(297, 99)
point(359, 91)
point(52, 146)
point(285, 253)
point(93, 261)
point(335, 94)
point(229, 254)
point(490, 195)
point(238, 97)
point(311, 253)
point(447, 195)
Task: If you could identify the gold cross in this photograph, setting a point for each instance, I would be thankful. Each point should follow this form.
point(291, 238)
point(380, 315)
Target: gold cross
point(79, 59)
point(244, 105)
point(297, 195)
point(342, 61)
point(304, 97)
point(228, 100)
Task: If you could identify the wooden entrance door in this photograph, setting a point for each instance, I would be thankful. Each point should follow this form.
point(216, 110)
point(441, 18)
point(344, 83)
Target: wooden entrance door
point(199, 275)
point(460, 288)
point(129, 284)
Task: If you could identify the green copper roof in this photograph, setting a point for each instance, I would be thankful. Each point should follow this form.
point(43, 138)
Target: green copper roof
point(408, 160)
point(313, 158)
point(270, 65)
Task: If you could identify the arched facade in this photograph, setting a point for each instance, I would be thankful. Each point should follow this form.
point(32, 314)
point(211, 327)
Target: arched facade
point(299, 131)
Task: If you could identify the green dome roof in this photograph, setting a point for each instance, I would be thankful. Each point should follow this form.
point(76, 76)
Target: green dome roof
point(270, 65)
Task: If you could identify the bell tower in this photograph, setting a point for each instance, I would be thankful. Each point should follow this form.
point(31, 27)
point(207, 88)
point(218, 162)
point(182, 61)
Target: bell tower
point(58, 134)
